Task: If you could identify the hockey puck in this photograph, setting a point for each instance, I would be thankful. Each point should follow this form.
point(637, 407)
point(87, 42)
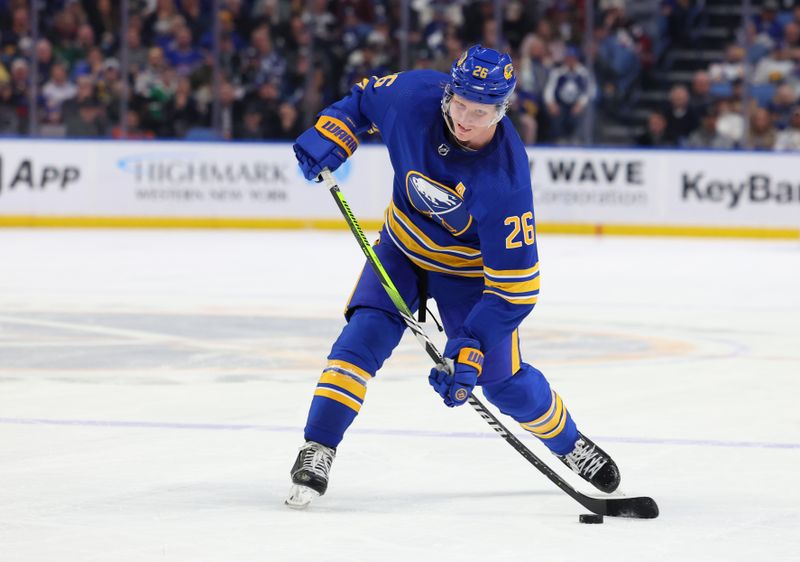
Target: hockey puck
point(590, 518)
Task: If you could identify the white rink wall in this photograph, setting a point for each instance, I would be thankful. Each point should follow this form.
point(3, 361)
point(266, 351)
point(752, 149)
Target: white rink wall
point(165, 184)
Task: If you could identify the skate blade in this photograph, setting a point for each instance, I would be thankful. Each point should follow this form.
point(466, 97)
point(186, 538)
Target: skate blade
point(300, 497)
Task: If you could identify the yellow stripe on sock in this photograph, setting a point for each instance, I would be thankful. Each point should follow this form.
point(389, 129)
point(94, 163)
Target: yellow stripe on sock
point(343, 381)
point(547, 414)
point(543, 425)
point(558, 428)
point(350, 368)
point(338, 397)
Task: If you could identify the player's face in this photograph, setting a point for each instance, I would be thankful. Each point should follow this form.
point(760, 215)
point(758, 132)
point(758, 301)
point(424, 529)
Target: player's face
point(472, 122)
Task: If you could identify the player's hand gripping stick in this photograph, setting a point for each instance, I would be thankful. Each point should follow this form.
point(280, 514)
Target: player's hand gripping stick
point(456, 386)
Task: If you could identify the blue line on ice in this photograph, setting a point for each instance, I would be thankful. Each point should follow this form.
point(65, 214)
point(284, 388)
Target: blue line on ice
point(395, 432)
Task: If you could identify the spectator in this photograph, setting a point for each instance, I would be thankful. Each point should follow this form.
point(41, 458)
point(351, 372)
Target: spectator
point(85, 92)
point(157, 25)
point(655, 134)
point(701, 98)
point(182, 110)
point(775, 67)
point(791, 41)
point(58, 89)
point(181, 54)
point(706, 135)
point(731, 68)
point(267, 100)
point(681, 118)
point(92, 64)
point(567, 95)
point(197, 19)
point(363, 63)
point(730, 122)
point(290, 126)
point(151, 79)
point(250, 127)
point(490, 36)
point(104, 18)
point(766, 22)
point(44, 59)
point(109, 89)
point(532, 75)
point(518, 18)
point(63, 35)
point(682, 18)
point(782, 105)
point(137, 54)
point(556, 46)
point(19, 82)
point(76, 49)
point(453, 46)
point(618, 64)
point(533, 66)
point(762, 134)
point(261, 59)
point(17, 41)
point(135, 130)
point(231, 109)
point(9, 122)
point(87, 122)
point(789, 138)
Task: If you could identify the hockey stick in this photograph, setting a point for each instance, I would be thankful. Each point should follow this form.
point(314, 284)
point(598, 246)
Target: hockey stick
point(639, 507)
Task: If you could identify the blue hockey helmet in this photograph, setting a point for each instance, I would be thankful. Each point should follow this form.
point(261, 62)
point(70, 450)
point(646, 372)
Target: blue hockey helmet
point(483, 75)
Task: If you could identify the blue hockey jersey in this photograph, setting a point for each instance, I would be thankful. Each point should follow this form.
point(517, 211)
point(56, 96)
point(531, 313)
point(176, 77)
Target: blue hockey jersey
point(453, 211)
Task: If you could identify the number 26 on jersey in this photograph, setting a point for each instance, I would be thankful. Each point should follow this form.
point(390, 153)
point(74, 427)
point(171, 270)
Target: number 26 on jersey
point(521, 231)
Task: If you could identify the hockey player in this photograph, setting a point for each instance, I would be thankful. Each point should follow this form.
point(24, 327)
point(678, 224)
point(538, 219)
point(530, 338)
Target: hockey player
point(460, 229)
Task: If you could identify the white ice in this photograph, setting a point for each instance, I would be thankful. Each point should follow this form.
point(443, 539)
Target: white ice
point(154, 386)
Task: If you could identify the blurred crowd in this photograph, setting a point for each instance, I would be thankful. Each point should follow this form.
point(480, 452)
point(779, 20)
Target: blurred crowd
point(749, 98)
point(278, 62)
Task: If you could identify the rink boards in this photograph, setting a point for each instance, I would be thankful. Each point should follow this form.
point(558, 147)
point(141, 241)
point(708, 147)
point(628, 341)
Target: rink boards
point(258, 185)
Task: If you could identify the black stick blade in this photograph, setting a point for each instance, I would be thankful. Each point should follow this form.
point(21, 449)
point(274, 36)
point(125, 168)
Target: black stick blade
point(638, 508)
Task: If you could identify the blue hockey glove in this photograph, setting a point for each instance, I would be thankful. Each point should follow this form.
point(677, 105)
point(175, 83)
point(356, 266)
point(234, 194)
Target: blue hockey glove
point(325, 145)
point(467, 365)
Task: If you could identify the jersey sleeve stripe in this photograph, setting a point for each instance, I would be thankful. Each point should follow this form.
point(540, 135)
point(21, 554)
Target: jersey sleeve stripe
point(515, 287)
point(525, 299)
point(508, 274)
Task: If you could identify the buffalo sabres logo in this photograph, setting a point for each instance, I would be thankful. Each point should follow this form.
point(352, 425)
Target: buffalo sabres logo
point(439, 202)
point(461, 394)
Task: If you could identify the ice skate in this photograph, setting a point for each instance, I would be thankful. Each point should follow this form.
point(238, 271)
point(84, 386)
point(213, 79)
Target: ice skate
point(310, 474)
point(593, 464)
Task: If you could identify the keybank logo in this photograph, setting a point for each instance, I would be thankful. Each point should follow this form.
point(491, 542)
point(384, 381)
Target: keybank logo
point(32, 174)
point(192, 169)
point(754, 188)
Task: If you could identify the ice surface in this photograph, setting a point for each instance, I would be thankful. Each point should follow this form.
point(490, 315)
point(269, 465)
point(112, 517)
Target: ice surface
point(154, 385)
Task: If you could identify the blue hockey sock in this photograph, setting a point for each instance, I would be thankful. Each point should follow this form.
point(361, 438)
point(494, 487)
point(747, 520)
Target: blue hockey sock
point(360, 350)
point(528, 398)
